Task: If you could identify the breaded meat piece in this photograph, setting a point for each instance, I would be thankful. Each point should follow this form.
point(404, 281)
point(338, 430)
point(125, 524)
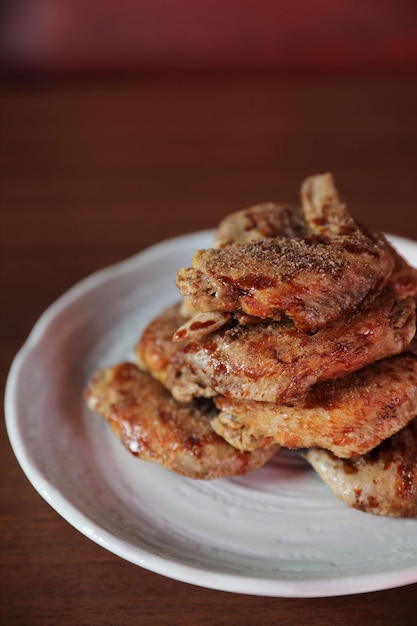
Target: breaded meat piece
point(156, 428)
point(155, 350)
point(262, 221)
point(323, 210)
point(312, 280)
point(382, 482)
point(276, 362)
point(349, 416)
point(158, 354)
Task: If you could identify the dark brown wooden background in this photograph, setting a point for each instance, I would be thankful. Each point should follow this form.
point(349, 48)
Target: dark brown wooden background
point(96, 170)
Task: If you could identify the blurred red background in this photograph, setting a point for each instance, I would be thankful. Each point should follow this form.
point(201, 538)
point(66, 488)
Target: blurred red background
point(61, 36)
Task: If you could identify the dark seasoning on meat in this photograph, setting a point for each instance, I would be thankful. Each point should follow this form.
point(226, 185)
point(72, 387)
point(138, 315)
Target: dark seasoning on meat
point(294, 330)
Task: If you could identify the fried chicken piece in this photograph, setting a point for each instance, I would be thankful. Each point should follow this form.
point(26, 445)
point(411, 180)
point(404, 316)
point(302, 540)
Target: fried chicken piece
point(271, 220)
point(312, 280)
point(156, 353)
point(323, 211)
point(258, 222)
point(349, 416)
point(275, 362)
point(156, 428)
point(382, 482)
point(262, 221)
point(403, 278)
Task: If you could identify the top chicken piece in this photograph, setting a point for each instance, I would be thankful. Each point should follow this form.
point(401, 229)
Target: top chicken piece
point(313, 278)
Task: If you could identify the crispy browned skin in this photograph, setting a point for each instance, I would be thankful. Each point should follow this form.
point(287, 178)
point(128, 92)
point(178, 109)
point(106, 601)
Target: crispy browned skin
point(312, 280)
point(257, 222)
point(382, 482)
point(156, 428)
point(270, 220)
point(274, 362)
point(403, 278)
point(349, 416)
point(262, 221)
point(323, 210)
point(156, 353)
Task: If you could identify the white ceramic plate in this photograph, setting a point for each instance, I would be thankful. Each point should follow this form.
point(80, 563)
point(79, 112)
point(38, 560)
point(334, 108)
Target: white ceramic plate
point(277, 532)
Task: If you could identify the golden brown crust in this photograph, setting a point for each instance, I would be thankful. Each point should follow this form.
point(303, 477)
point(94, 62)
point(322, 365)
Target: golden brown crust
point(349, 416)
point(277, 363)
point(312, 279)
point(158, 354)
point(382, 482)
point(262, 221)
point(323, 210)
point(156, 428)
point(155, 351)
point(312, 282)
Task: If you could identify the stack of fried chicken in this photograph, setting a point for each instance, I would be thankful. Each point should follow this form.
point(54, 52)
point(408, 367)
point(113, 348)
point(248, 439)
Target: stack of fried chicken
point(295, 329)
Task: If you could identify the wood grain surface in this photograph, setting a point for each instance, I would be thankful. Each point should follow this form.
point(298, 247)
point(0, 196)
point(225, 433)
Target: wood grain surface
point(94, 171)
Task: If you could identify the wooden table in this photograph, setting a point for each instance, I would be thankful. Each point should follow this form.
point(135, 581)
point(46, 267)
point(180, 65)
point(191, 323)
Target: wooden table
point(93, 171)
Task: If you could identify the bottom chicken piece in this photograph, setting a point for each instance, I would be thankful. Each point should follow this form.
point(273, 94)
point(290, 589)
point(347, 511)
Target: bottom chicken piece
point(153, 426)
point(382, 482)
